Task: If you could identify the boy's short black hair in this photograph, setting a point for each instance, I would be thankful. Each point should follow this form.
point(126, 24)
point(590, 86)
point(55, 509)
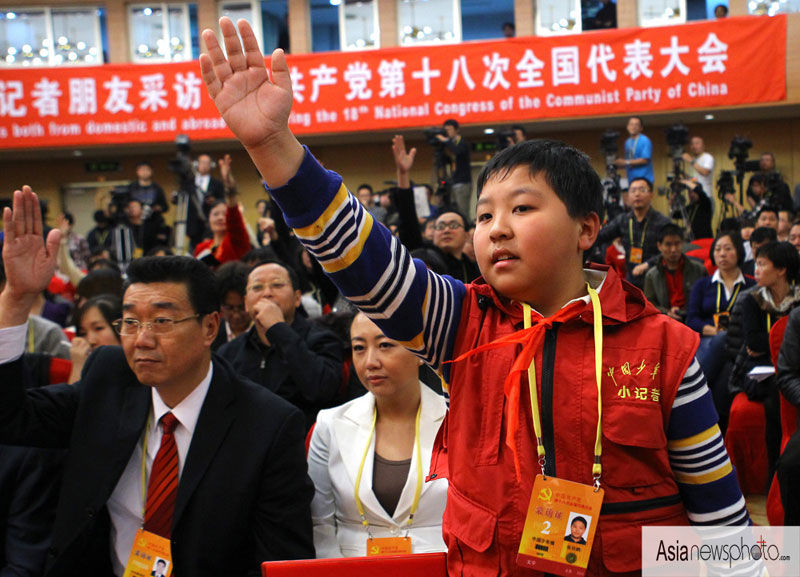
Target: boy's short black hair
point(782, 255)
point(200, 282)
point(764, 234)
point(738, 244)
point(670, 229)
point(566, 170)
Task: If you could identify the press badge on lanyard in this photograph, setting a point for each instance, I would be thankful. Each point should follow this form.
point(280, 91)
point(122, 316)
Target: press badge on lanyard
point(379, 546)
point(562, 515)
point(148, 548)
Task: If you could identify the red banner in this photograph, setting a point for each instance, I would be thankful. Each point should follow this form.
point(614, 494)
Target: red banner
point(698, 65)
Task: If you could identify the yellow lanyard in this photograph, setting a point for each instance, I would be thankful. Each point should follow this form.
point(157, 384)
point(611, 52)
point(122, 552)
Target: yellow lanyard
point(31, 347)
point(144, 465)
point(733, 296)
point(417, 491)
point(769, 322)
point(644, 232)
point(597, 314)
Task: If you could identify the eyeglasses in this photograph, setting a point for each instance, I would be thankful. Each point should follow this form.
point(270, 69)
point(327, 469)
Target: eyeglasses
point(158, 326)
point(452, 225)
point(273, 286)
point(232, 308)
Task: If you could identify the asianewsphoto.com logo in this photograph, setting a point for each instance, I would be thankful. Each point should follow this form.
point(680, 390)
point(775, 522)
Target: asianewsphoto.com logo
point(677, 551)
point(728, 553)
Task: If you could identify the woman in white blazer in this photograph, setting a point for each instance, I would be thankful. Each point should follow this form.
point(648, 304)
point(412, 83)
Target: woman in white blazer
point(376, 435)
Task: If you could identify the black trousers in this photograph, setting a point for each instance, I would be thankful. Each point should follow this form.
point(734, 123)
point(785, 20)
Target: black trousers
point(789, 480)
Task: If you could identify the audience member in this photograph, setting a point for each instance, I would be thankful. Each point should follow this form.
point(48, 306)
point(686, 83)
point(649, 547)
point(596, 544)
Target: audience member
point(283, 351)
point(794, 235)
point(606, 17)
point(638, 229)
point(699, 211)
point(78, 246)
point(774, 190)
point(761, 236)
point(720, 11)
point(529, 258)
point(123, 415)
point(94, 328)
point(99, 237)
point(638, 160)
point(788, 377)
point(710, 304)
point(229, 240)
point(368, 459)
point(234, 320)
point(669, 284)
point(449, 238)
point(785, 219)
point(767, 216)
point(509, 30)
point(777, 265)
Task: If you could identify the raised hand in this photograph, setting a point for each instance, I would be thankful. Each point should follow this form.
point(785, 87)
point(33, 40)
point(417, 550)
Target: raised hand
point(255, 107)
point(402, 160)
point(29, 261)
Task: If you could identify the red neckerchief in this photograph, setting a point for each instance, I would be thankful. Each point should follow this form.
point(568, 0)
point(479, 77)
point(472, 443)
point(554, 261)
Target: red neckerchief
point(531, 341)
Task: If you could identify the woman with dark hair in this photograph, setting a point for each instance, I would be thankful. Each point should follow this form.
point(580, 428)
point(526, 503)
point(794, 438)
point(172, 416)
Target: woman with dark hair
point(777, 266)
point(93, 327)
point(229, 240)
point(710, 304)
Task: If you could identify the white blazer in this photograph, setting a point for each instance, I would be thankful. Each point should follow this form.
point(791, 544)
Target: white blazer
point(334, 455)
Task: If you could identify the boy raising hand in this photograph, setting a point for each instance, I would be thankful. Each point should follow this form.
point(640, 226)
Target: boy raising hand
point(593, 340)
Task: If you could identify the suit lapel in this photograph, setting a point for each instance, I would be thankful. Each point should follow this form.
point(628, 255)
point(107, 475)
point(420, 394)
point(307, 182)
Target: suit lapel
point(352, 432)
point(132, 421)
point(212, 426)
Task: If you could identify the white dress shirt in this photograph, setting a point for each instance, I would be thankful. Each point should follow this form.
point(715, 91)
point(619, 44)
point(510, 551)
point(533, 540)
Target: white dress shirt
point(717, 277)
point(126, 504)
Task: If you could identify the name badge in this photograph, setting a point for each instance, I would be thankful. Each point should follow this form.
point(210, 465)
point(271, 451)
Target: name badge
point(151, 555)
point(559, 529)
point(636, 255)
point(388, 546)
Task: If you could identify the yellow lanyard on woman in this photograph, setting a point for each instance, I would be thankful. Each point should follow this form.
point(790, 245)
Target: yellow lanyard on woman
point(733, 297)
point(598, 362)
point(417, 491)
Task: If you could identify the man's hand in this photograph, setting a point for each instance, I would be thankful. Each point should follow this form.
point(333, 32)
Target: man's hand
point(442, 138)
point(640, 269)
point(29, 261)
point(402, 160)
point(267, 314)
point(255, 108)
point(675, 313)
point(687, 157)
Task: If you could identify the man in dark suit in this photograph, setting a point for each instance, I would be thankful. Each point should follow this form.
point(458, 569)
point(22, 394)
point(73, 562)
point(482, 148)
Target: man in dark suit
point(240, 494)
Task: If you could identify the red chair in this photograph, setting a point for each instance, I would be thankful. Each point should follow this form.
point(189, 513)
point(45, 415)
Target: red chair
point(775, 513)
point(427, 564)
point(747, 445)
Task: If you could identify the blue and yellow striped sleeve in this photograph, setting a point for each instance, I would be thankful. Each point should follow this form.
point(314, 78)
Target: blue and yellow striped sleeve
point(369, 266)
point(706, 479)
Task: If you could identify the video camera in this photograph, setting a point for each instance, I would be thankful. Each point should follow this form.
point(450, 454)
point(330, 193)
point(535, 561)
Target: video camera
point(431, 136)
point(677, 138)
point(181, 165)
point(612, 195)
point(725, 184)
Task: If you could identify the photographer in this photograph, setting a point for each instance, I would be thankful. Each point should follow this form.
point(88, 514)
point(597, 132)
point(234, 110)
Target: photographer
point(775, 192)
point(701, 167)
point(699, 210)
point(458, 150)
point(638, 161)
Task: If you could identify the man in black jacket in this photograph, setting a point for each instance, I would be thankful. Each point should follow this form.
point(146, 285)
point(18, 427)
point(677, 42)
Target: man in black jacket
point(284, 351)
point(239, 494)
point(789, 383)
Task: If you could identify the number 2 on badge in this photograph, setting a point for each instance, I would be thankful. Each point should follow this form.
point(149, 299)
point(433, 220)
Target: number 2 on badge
point(545, 528)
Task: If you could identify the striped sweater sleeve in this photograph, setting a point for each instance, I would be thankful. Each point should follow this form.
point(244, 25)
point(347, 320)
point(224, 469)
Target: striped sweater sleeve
point(369, 266)
point(706, 479)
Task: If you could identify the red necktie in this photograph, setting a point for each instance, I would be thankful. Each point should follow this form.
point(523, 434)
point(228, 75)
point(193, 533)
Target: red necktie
point(163, 487)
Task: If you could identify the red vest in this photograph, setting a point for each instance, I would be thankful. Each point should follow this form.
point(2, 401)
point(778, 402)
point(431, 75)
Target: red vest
point(486, 506)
